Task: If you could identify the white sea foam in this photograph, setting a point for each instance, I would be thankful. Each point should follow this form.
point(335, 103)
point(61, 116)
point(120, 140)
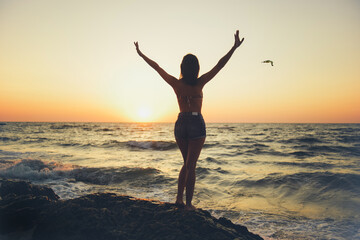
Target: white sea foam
point(30, 169)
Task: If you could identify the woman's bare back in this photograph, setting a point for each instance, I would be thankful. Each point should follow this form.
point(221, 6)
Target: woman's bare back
point(189, 97)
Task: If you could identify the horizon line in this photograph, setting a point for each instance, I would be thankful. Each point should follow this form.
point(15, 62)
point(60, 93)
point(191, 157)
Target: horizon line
point(173, 122)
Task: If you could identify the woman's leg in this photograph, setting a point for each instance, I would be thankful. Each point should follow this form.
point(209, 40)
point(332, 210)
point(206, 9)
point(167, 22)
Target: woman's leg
point(183, 145)
point(193, 153)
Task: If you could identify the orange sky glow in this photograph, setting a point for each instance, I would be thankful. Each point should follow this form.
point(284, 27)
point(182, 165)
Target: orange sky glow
point(75, 60)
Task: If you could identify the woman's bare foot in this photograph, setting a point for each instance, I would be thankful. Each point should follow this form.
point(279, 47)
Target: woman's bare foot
point(179, 203)
point(190, 207)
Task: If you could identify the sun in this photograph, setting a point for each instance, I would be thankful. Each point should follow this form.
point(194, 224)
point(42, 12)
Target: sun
point(144, 114)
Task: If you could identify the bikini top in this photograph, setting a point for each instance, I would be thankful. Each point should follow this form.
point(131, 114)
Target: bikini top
point(188, 98)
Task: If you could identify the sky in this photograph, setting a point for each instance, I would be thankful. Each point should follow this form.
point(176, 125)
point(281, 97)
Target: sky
point(74, 60)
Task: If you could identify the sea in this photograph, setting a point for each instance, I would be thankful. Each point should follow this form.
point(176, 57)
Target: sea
point(281, 181)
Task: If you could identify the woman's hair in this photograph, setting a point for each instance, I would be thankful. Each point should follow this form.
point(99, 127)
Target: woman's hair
point(190, 69)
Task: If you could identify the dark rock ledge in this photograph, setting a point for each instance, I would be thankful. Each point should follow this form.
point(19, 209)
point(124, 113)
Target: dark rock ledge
point(35, 212)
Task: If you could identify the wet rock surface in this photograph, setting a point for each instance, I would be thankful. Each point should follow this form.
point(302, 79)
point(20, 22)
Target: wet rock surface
point(38, 212)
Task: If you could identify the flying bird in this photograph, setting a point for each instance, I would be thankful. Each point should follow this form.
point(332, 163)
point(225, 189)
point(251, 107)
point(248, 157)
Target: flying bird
point(269, 61)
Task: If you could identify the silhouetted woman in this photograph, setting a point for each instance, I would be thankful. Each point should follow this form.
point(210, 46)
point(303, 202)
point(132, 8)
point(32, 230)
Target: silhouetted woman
point(190, 129)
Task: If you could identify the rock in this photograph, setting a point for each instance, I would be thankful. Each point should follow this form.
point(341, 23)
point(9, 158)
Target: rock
point(105, 216)
point(8, 187)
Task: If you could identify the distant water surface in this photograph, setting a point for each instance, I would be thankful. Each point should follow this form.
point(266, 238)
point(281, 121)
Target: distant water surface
point(282, 181)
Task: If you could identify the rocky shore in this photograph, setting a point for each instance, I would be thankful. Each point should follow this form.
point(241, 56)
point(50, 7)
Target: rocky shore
point(29, 211)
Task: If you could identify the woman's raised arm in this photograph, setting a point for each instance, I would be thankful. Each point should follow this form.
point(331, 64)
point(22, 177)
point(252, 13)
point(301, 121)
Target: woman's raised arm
point(167, 77)
point(209, 75)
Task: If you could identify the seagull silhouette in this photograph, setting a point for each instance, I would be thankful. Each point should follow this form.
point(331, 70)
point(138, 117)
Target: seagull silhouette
point(269, 61)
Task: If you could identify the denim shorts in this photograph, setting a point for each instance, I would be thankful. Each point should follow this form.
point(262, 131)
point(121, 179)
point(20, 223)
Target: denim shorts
point(190, 125)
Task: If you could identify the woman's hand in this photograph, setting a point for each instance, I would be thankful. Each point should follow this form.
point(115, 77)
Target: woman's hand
point(137, 48)
point(168, 78)
point(237, 40)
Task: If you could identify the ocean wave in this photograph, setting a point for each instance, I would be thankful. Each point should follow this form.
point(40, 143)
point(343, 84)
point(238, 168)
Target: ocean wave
point(222, 171)
point(258, 151)
point(139, 145)
point(210, 145)
point(259, 145)
point(35, 140)
point(69, 144)
point(34, 169)
point(113, 143)
point(230, 128)
point(244, 146)
point(336, 194)
point(251, 161)
point(63, 126)
point(307, 140)
point(77, 144)
point(213, 160)
point(322, 181)
point(349, 139)
point(203, 172)
point(154, 145)
point(10, 153)
point(9, 139)
point(326, 149)
point(105, 176)
point(302, 154)
point(346, 129)
point(312, 165)
point(257, 134)
point(104, 130)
